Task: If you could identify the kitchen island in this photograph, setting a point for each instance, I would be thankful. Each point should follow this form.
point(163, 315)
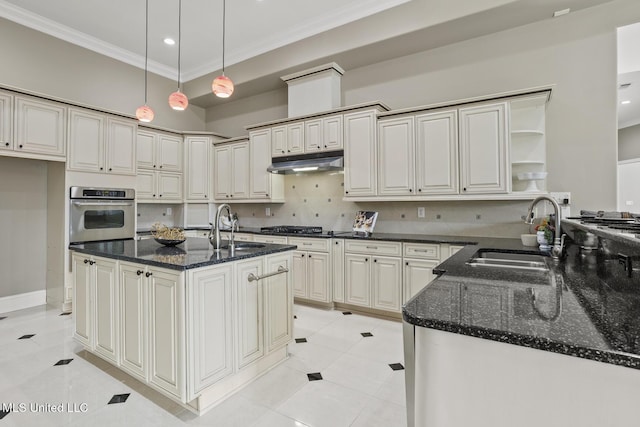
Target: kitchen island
point(486, 346)
point(192, 323)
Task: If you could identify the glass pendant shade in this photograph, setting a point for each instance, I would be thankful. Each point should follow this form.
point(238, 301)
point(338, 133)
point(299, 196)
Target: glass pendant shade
point(178, 101)
point(145, 113)
point(222, 86)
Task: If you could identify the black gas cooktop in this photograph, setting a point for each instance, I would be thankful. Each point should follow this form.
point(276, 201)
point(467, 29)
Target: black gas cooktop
point(293, 229)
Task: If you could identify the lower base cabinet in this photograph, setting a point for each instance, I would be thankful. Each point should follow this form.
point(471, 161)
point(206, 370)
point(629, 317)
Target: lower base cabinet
point(185, 333)
point(418, 273)
point(373, 281)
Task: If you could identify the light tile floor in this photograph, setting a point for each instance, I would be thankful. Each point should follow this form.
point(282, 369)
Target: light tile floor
point(358, 387)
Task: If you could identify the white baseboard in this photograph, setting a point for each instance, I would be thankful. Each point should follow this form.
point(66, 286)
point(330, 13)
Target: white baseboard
point(20, 301)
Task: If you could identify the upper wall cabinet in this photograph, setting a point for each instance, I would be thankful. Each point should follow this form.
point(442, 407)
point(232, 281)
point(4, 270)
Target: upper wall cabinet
point(360, 153)
point(263, 186)
point(231, 171)
point(197, 168)
point(32, 127)
point(159, 150)
point(101, 143)
point(323, 134)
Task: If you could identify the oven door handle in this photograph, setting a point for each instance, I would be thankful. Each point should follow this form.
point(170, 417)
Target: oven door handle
point(102, 203)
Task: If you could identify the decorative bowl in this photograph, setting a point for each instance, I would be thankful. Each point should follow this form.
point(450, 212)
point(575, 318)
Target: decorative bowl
point(525, 176)
point(529, 239)
point(169, 242)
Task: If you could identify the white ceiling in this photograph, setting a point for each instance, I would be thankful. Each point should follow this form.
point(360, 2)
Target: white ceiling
point(353, 33)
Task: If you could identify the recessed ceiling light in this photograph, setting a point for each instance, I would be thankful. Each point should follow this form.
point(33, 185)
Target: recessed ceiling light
point(625, 102)
point(169, 41)
point(561, 12)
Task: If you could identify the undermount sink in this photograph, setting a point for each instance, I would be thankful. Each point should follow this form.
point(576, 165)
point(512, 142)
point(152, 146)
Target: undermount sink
point(509, 260)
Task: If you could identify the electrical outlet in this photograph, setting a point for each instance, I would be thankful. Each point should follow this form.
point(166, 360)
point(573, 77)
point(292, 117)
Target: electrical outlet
point(421, 212)
point(267, 211)
point(564, 200)
point(169, 211)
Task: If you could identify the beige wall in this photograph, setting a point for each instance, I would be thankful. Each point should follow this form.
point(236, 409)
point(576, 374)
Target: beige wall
point(629, 143)
point(23, 225)
point(37, 62)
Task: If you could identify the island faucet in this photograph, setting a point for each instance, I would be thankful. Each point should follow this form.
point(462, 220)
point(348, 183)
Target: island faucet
point(558, 241)
point(214, 235)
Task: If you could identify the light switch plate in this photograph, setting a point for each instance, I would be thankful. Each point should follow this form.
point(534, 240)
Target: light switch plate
point(267, 211)
point(561, 197)
point(421, 212)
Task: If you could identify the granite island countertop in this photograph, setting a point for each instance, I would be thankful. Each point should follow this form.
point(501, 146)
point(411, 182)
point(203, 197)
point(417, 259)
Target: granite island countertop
point(585, 306)
point(195, 252)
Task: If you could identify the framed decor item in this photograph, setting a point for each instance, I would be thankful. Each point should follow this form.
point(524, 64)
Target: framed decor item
point(364, 222)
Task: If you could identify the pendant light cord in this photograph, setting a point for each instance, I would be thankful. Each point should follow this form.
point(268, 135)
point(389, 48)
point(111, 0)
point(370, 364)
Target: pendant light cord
point(179, 37)
point(224, 19)
point(146, 48)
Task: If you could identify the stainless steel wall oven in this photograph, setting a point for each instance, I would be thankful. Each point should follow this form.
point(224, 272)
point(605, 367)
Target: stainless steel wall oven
point(101, 214)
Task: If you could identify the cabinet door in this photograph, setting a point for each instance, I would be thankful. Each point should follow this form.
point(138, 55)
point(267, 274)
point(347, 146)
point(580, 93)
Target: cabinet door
point(332, 133)
point(484, 159)
point(197, 168)
point(360, 154)
point(337, 252)
point(357, 277)
point(146, 149)
point(166, 332)
point(169, 153)
point(6, 122)
point(259, 160)
point(222, 172)
point(169, 186)
point(313, 135)
point(83, 277)
point(417, 274)
point(86, 141)
point(386, 279)
point(299, 276)
point(121, 146)
point(40, 126)
point(107, 313)
point(146, 185)
point(209, 327)
point(279, 141)
point(396, 156)
point(278, 302)
point(437, 153)
point(295, 138)
point(318, 276)
point(240, 170)
point(250, 312)
point(133, 320)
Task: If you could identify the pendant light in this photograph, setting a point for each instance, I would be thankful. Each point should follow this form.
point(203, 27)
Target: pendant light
point(145, 113)
point(222, 85)
point(178, 100)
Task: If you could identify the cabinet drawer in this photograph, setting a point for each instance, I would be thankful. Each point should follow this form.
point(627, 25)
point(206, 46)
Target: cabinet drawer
point(374, 247)
point(319, 245)
point(280, 240)
point(422, 250)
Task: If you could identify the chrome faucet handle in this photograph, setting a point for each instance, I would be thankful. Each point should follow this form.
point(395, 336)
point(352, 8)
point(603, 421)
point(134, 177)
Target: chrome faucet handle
point(558, 247)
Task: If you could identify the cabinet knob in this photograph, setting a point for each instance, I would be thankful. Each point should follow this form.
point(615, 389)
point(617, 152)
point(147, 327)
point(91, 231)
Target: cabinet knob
point(205, 196)
point(86, 261)
point(283, 151)
point(288, 151)
point(110, 169)
point(366, 260)
point(267, 194)
point(464, 189)
point(20, 145)
point(139, 272)
point(375, 260)
point(302, 256)
point(410, 190)
point(406, 263)
point(309, 255)
point(337, 243)
point(91, 262)
point(154, 166)
point(160, 166)
point(147, 274)
point(419, 190)
point(154, 195)
point(231, 195)
point(346, 192)
point(101, 168)
point(6, 143)
point(325, 146)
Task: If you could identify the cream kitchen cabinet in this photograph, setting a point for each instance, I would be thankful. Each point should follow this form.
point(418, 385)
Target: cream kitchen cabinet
point(197, 174)
point(97, 317)
point(249, 309)
point(419, 261)
point(231, 171)
point(263, 186)
point(337, 270)
point(311, 269)
point(265, 238)
point(133, 320)
point(396, 156)
point(436, 153)
point(484, 154)
point(373, 274)
point(100, 143)
point(6, 121)
point(159, 150)
point(323, 134)
point(158, 186)
point(360, 159)
point(287, 140)
point(209, 327)
point(39, 127)
point(278, 295)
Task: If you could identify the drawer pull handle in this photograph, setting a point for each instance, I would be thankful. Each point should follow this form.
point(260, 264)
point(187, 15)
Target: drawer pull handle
point(148, 274)
point(307, 243)
point(372, 247)
point(252, 277)
point(423, 250)
point(139, 272)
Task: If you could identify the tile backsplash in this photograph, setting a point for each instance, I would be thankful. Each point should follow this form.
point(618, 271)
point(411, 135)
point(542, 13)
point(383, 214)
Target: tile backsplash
point(316, 199)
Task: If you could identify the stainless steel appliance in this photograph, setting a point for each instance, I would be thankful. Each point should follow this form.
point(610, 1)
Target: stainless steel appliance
point(101, 214)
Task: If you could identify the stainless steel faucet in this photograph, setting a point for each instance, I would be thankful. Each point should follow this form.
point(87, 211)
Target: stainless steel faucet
point(214, 235)
point(558, 241)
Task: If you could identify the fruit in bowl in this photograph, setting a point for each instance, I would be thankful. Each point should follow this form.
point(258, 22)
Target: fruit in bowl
point(167, 236)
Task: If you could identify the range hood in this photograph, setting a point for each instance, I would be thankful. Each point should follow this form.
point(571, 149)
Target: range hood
point(305, 163)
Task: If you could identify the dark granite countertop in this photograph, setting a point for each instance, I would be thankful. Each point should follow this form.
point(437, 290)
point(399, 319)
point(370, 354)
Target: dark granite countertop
point(193, 253)
point(585, 306)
